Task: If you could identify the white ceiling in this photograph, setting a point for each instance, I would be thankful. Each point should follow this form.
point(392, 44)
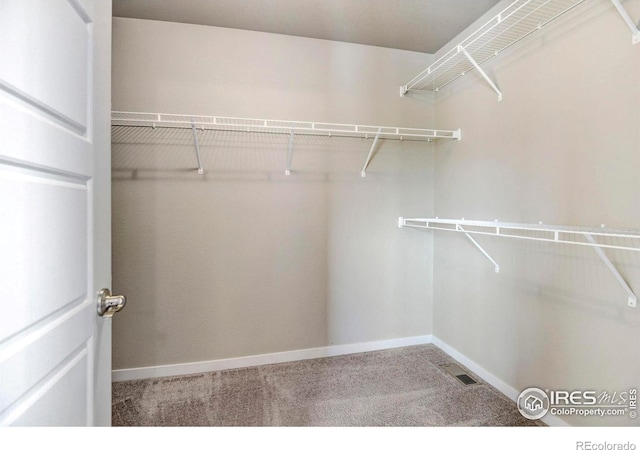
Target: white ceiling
point(418, 25)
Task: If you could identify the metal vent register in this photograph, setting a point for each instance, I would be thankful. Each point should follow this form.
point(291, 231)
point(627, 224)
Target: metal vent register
point(459, 374)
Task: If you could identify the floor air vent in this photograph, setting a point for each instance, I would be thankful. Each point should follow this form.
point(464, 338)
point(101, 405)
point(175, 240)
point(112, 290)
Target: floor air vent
point(459, 374)
point(466, 379)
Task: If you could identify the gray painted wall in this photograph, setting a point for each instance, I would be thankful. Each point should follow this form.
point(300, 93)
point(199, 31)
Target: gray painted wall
point(563, 147)
point(244, 260)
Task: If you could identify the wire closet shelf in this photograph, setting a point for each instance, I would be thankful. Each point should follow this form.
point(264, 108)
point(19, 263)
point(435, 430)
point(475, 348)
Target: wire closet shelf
point(514, 23)
point(155, 120)
point(291, 128)
point(598, 238)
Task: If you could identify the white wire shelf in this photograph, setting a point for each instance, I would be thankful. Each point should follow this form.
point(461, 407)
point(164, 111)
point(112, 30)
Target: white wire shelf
point(291, 128)
point(514, 23)
point(598, 238)
point(501, 229)
point(142, 119)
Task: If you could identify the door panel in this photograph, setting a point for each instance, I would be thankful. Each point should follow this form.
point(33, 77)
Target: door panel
point(54, 222)
point(62, 399)
point(59, 40)
point(48, 220)
point(31, 359)
point(27, 135)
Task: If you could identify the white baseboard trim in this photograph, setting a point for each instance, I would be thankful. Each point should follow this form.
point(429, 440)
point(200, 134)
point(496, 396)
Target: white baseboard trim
point(494, 381)
point(138, 373)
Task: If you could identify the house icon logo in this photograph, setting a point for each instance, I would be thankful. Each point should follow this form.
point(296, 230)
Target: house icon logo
point(533, 403)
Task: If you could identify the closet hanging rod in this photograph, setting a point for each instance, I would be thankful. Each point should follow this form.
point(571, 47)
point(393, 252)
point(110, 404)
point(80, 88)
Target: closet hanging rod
point(218, 123)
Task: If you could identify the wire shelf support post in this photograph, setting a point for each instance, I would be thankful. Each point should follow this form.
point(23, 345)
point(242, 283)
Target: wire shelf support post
point(287, 171)
point(635, 31)
point(363, 173)
point(496, 266)
point(632, 301)
point(482, 72)
point(197, 146)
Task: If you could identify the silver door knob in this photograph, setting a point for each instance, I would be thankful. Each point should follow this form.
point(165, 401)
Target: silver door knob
point(109, 304)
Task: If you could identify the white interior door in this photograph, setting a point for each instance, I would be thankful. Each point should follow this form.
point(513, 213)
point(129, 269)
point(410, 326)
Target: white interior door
point(55, 360)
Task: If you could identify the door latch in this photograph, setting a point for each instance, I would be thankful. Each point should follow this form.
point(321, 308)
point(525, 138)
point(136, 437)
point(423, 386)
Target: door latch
point(109, 304)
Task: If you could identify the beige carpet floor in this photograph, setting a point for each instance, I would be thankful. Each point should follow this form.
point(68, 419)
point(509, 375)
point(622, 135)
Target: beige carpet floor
point(398, 387)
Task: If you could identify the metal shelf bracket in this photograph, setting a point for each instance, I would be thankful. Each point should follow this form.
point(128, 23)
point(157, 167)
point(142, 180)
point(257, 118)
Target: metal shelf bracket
point(635, 32)
point(482, 72)
point(496, 266)
point(287, 172)
point(197, 145)
point(632, 300)
point(363, 173)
